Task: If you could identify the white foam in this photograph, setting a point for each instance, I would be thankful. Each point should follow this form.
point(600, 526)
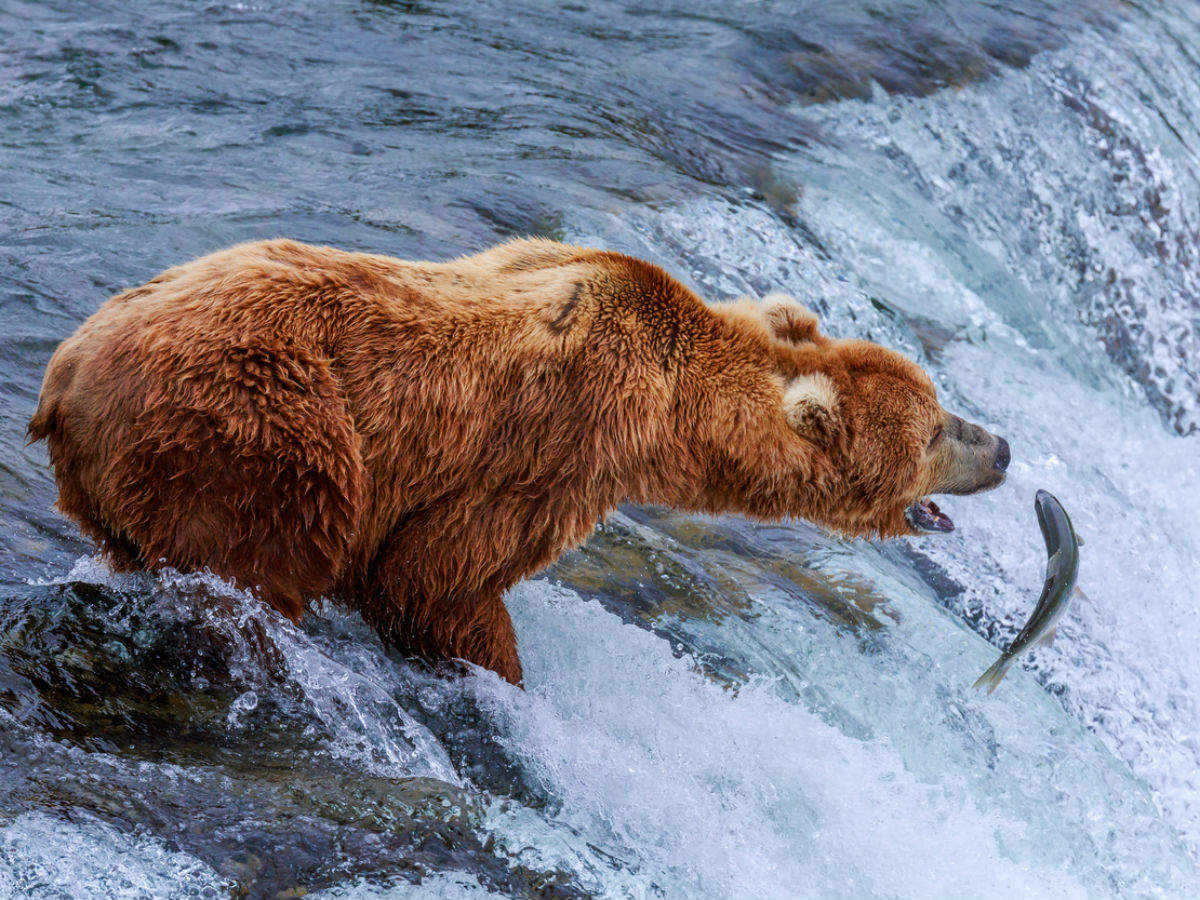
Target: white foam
point(43, 857)
point(442, 886)
point(694, 790)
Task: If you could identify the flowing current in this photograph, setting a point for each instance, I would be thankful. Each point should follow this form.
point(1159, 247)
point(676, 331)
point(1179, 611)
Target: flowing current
point(1008, 192)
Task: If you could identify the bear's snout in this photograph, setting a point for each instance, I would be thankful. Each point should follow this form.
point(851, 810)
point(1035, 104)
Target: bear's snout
point(968, 459)
point(1003, 456)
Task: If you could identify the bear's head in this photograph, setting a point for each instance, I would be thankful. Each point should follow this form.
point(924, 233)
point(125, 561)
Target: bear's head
point(875, 415)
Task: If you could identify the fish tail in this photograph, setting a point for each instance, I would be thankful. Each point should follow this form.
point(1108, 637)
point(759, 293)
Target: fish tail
point(994, 675)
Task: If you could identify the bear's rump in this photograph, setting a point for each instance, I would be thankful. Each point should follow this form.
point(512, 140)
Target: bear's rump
point(240, 458)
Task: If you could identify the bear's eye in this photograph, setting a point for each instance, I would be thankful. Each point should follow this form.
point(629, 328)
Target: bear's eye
point(937, 433)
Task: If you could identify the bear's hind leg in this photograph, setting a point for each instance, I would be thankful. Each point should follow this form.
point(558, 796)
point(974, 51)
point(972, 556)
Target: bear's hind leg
point(253, 472)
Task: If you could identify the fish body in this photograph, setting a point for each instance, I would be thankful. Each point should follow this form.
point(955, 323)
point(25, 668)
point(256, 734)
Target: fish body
point(1062, 569)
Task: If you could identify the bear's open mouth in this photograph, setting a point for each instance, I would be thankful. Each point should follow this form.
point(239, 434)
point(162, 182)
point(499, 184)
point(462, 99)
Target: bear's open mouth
point(924, 515)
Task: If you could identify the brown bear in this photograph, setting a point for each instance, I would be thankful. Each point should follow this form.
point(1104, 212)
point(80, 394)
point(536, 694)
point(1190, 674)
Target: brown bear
point(414, 438)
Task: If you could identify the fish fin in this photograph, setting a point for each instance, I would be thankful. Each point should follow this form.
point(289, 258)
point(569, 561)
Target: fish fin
point(1080, 541)
point(994, 675)
point(1053, 563)
point(1078, 592)
point(1048, 638)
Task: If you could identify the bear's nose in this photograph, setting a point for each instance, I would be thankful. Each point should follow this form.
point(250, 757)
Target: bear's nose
point(1003, 456)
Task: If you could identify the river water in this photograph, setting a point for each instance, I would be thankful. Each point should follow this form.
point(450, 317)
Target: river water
point(1007, 191)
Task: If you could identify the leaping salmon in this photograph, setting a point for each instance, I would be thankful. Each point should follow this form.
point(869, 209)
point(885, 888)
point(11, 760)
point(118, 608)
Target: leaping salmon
point(1062, 568)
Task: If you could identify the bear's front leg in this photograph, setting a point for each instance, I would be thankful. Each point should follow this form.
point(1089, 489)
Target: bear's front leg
point(475, 627)
point(478, 630)
point(435, 587)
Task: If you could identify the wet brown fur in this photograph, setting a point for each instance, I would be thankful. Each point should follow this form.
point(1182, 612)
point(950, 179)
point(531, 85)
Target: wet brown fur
point(417, 437)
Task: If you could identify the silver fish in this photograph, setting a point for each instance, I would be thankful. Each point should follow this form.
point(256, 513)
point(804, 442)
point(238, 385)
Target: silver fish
point(1062, 546)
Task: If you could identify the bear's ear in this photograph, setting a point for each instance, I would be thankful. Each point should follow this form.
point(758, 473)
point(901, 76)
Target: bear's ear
point(810, 404)
point(789, 321)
